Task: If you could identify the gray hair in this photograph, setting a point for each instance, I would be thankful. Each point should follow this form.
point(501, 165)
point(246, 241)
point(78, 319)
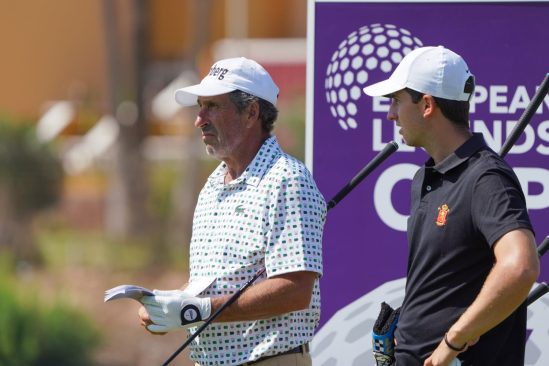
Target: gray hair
point(267, 111)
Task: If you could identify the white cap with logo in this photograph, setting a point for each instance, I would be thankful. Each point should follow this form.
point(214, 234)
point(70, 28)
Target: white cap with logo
point(436, 71)
point(229, 75)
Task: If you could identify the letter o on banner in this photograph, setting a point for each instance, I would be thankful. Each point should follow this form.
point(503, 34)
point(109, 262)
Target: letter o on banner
point(382, 194)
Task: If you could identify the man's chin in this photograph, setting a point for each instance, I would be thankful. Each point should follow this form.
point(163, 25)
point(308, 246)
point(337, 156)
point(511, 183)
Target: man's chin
point(410, 143)
point(211, 151)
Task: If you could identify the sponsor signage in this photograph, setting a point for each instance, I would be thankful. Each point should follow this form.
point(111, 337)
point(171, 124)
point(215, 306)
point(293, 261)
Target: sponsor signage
point(357, 43)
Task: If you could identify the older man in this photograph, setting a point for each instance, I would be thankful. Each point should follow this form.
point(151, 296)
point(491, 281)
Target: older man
point(472, 257)
point(260, 207)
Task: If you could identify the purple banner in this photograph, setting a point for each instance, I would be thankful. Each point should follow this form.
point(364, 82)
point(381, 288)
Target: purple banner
point(358, 44)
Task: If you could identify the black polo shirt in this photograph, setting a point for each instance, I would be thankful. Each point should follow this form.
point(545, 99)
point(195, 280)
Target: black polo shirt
point(460, 208)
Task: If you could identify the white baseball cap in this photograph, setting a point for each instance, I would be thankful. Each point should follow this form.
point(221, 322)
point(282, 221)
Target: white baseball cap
point(436, 71)
point(229, 75)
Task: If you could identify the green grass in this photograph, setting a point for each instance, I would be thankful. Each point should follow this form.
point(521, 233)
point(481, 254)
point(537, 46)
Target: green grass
point(36, 332)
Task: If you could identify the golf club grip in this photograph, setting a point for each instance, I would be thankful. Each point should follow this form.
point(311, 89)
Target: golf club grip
point(526, 117)
point(538, 292)
point(543, 247)
point(390, 148)
point(216, 314)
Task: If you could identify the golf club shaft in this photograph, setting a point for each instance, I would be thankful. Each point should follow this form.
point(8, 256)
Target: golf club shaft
point(526, 117)
point(538, 292)
point(390, 148)
point(543, 247)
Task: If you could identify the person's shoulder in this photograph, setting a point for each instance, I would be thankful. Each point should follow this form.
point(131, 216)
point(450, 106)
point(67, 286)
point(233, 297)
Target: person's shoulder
point(487, 166)
point(295, 179)
point(487, 160)
point(289, 167)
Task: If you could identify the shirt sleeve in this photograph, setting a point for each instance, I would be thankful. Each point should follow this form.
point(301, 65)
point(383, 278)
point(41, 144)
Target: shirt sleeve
point(296, 220)
point(498, 205)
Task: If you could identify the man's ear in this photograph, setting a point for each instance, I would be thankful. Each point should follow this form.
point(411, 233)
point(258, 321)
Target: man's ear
point(252, 114)
point(429, 105)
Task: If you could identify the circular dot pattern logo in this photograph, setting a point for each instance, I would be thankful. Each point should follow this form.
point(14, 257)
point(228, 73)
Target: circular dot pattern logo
point(371, 49)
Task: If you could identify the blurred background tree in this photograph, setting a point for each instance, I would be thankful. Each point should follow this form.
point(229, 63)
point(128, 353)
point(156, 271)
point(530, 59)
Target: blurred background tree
point(100, 169)
point(31, 180)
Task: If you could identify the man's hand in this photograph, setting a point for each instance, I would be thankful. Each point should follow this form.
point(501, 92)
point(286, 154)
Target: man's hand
point(145, 320)
point(173, 310)
point(444, 355)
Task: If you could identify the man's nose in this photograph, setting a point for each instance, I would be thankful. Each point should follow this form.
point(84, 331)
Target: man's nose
point(392, 115)
point(200, 120)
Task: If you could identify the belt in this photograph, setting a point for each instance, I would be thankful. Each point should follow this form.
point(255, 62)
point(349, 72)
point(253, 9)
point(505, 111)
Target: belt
point(304, 348)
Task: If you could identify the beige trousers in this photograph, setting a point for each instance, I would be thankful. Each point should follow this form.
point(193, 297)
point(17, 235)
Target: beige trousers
point(296, 359)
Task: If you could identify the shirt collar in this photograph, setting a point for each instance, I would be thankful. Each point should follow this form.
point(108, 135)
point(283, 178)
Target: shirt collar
point(269, 151)
point(463, 153)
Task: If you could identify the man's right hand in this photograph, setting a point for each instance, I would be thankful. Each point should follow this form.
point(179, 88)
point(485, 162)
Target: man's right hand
point(444, 356)
point(145, 320)
point(174, 310)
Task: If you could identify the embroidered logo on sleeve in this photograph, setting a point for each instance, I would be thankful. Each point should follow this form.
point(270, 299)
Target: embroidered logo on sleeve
point(442, 213)
point(239, 209)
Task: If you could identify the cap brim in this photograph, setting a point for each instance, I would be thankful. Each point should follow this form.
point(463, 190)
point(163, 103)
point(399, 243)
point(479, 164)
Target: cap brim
point(383, 88)
point(188, 96)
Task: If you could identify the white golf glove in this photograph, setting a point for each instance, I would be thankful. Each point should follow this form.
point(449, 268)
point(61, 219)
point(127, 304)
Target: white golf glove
point(174, 310)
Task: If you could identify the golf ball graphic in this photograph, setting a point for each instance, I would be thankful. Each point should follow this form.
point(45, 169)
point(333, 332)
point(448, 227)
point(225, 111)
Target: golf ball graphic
point(346, 339)
point(372, 50)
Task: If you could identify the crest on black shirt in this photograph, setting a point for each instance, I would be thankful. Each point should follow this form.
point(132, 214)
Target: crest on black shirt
point(442, 213)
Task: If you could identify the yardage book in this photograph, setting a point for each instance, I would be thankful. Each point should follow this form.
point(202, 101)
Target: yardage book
point(194, 288)
point(127, 292)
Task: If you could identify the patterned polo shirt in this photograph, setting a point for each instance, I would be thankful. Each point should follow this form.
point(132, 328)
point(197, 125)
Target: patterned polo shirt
point(272, 215)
